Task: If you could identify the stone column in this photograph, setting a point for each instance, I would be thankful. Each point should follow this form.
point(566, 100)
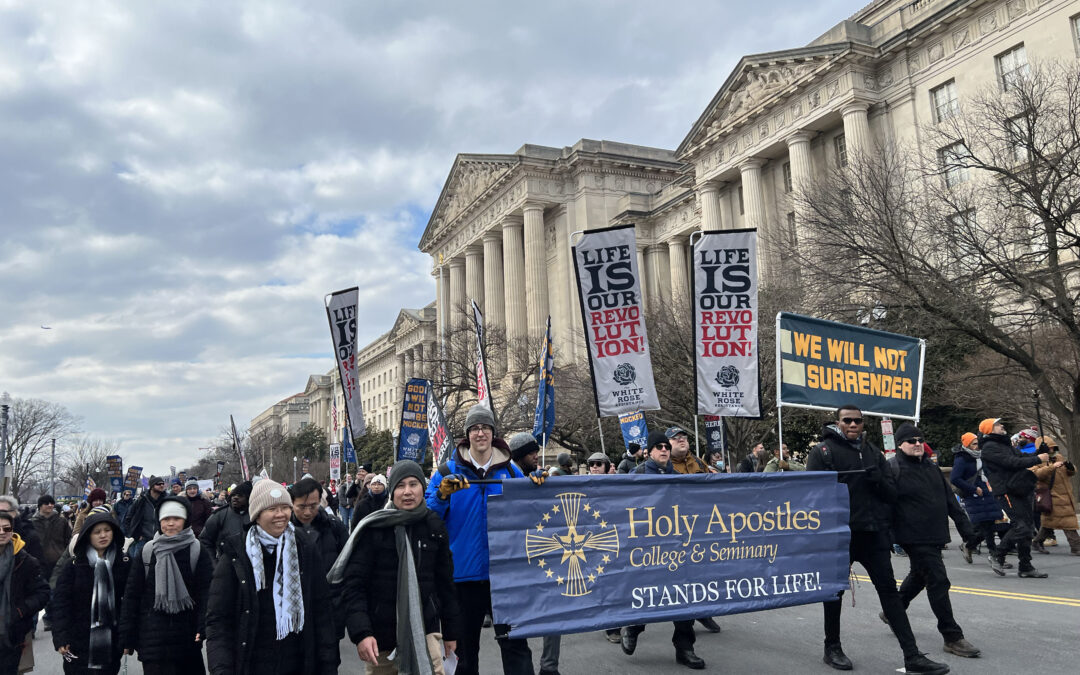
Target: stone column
point(474, 275)
point(801, 173)
point(727, 210)
point(680, 282)
point(663, 274)
point(494, 300)
point(536, 288)
point(401, 368)
point(514, 278)
point(754, 206)
point(420, 365)
point(643, 278)
point(709, 194)
point(652, 279)
point(442, 302)
point(457, 293)
point(410, 365)
point(856, 129)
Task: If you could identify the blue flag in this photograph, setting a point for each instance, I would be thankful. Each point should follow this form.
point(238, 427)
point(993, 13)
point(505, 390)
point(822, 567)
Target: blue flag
point(544, 419)
point(588, 552)
point(413, 434)
point(346, 444)
point(634, 429)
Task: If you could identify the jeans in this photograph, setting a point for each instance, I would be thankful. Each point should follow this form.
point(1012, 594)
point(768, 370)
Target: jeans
point(1020, 511)
point(928, 571)
point(346, 515)
point(985, 531)
point(474, 601)
point(871, 550)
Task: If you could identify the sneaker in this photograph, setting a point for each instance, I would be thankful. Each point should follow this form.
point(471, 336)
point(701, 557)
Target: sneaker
point(614, 637)
point(835, 657)
point(1050, 542)
point(1031, 573)
point(920, 664)
point(966, 552)
point(998, 565)
point(963, 648)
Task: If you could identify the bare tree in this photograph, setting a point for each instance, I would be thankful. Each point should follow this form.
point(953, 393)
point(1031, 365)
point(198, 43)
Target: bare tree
point(977, 236)
point(34, 423)
point(86, 457)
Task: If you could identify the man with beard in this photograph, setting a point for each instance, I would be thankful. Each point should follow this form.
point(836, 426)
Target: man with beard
point(228, 521)
point(871, 489)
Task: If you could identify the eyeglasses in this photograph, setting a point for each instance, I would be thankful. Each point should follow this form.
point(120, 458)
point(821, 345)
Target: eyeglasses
point(662, 446)
point(480, 429)
point(596, 464)
point(852, 420)
point(306, 507)
point(6, 528)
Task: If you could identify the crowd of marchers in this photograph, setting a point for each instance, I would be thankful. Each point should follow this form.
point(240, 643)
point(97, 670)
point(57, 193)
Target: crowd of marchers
point(271, 578)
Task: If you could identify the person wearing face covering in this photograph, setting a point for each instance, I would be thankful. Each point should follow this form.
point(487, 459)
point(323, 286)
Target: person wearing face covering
point(267, 594)
point(398, 578)
point(87, 599)
point(164, 610)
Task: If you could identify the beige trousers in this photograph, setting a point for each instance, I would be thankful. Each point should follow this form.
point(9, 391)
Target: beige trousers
point(435, 650)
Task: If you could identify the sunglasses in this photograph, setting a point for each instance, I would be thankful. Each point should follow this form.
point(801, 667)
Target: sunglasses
point(663, 446)
point(596, 464)
point(852, 420)
point(6, 529)
point(916, 441)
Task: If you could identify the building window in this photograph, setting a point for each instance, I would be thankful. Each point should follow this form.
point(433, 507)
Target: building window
point(1075, 23)
point(787, 176)
point(840, 147)
point(951, 157)
point(1012, 66)
point(742, 207)
point(944, 101)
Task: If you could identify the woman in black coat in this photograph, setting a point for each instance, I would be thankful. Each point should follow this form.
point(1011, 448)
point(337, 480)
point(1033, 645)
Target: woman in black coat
point(370, 567)
point(260, 620)
point(78, 607)
point(29, 593)
point(374, 500)
point(164, 611)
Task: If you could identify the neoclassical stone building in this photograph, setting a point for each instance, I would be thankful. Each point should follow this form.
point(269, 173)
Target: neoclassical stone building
point(500, 231)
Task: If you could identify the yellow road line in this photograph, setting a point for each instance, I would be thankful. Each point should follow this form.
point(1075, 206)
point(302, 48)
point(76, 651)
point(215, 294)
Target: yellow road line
point(1003, 595)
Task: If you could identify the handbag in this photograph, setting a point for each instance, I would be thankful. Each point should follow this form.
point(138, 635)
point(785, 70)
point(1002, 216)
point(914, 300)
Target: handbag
point(1044, 496)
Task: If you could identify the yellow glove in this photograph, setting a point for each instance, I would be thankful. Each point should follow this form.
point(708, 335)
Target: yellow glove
point(452, 484)
point(538, 476)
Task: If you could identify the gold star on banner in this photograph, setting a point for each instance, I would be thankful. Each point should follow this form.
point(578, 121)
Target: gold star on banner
point(547, 517)
point(606, 559)
point(603, 523)
point(540, 563)
point(592, 578)
point(595, 514)
point(555, 509)
point(548, 573)
point(600, 569)
point(559, 579)
point(539, 528)
point(588, 508)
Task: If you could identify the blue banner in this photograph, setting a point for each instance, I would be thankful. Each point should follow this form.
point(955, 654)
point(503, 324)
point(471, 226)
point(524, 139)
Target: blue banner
point(589, 552)
point(825, 364)
point(544, 418)
point(714, 433)
point(634, 429)
point(349, 451)
point(413, 438)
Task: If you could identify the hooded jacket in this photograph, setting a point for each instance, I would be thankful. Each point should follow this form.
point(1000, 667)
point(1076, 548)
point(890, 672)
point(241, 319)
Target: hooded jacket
point(688, 464)
point(369, 504)
point(465, 512)
point(871, 489)
point(54, 531)
point(924, 503)
point(71, 602)
point(29, 591)
point(1001, 461)
point(200, 512)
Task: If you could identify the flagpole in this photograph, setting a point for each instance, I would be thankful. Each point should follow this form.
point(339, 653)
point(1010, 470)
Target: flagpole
point(601, 428)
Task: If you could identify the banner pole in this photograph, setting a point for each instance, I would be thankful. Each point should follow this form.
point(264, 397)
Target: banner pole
point(601, 429)
point(779, 379)
point(697, 439)
point(922, 365)
point(723, 443)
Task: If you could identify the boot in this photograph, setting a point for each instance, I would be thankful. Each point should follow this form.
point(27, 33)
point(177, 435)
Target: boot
point(920, 664)
point(998, 565)
point(710, 624)
point(688, 658)
point(966, 552)
point(629, 641)
point(963, 648)
point(1038, 547)
point(835, 657)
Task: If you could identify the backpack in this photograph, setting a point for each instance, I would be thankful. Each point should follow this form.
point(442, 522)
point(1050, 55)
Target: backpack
point(193, 555)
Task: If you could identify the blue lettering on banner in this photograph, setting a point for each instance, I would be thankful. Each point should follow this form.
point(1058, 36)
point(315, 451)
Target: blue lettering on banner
point(569, 556)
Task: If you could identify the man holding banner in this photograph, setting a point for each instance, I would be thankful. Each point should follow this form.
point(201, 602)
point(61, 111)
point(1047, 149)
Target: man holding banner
point(871, 489)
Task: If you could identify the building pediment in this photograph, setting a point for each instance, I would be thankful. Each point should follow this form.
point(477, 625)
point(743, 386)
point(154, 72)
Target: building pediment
point(756, 80)
point(471, 177)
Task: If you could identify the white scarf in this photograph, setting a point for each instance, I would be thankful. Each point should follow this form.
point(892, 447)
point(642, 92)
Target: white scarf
point(286, 589)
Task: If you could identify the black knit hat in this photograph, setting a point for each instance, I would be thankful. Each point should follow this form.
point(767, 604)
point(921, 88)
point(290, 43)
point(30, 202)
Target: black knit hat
point(656, 438)
point(403, 468)
point(906, 432)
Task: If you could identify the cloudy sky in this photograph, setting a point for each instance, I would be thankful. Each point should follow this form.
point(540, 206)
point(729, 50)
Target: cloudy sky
point(181, 183)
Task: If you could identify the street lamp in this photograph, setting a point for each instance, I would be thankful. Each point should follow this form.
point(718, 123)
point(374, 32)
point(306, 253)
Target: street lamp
point(5, 405)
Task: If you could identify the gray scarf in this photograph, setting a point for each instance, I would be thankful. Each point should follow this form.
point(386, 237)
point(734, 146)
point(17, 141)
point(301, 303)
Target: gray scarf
point(7, 567)
point(170, 592)
point(412, 653)
point(102, 609)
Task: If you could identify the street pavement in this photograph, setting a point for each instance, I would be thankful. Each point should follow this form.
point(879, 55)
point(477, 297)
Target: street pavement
point(1020, 625)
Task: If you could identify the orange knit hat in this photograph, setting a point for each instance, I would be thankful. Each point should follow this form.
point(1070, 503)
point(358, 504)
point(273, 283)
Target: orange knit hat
point(967, 438)
point(987, 425)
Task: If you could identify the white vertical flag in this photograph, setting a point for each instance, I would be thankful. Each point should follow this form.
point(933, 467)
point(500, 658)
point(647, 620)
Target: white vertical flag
point(341, 310)
point(483, 391)
point(726, 324)
point(605, 262)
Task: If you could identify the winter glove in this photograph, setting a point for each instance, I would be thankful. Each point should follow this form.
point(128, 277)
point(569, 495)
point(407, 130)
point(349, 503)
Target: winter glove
point(873, 474)
point(538, 477)
point(452, 484)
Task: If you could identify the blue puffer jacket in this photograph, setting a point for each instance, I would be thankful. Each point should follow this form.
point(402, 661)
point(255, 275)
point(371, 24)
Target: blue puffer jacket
point(965, 477)
point(465, 513)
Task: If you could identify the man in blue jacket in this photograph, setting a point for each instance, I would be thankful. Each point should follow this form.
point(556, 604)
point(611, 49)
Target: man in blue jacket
point(464, 510)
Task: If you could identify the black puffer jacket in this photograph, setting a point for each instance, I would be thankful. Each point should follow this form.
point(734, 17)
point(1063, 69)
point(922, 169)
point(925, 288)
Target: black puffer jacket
point(871, 489)
point(328, 534)
point(236, 643)
point(225, 523)
point(924, 503)
point(1001, 460)
point(159, 636)
point(71, 601)
point(369, 504)
point(370, 586)
point(29, 592)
